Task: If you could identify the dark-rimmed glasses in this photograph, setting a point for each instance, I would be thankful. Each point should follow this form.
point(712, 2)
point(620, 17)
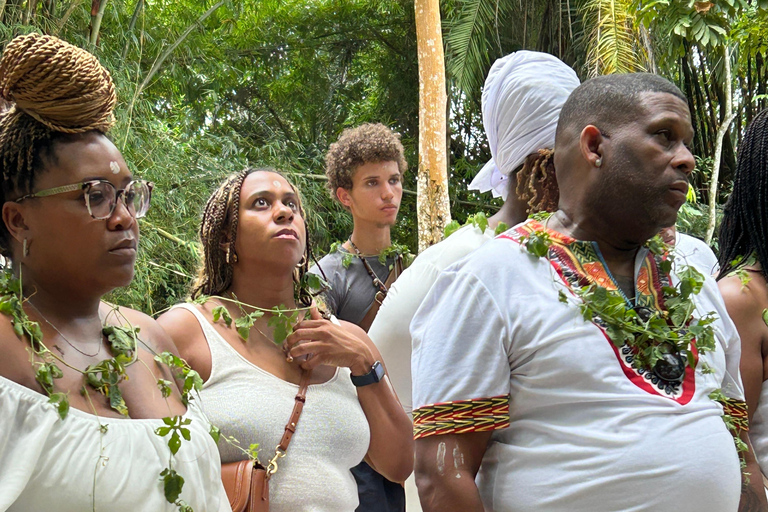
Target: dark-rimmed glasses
point(101, 196)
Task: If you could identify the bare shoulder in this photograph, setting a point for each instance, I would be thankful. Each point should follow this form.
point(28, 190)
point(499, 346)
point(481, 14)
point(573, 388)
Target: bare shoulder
point(181, 325)
point(150, 332)
point(15, 364)
point(748, 296)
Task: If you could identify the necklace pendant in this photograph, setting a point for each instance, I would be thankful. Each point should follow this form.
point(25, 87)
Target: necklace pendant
point(671, 367)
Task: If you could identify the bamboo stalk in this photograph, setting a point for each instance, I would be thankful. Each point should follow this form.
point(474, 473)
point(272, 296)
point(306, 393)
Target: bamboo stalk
point(727, 108)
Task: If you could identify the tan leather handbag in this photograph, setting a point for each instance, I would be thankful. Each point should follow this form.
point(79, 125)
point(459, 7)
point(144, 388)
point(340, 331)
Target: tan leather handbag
point(247, 482)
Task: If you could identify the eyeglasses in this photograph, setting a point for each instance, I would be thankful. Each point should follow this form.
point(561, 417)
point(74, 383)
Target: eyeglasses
point(101, 196)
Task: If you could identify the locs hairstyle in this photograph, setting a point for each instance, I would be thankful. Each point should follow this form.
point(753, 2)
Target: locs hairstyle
point(219, 225)
point(56, 91)
point(744, 229)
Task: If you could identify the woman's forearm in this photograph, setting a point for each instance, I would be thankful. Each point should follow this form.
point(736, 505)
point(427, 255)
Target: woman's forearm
point(391, 448)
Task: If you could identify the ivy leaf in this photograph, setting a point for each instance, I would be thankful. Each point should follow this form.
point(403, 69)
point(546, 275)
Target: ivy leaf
point(346, 259)
point(765, 316)
point(165, 387)
point(116, 401)
point(62, 403)
point(243, 325)
point(451, 228)
point(215, 433)
point(500, 228)
point(313, 281)
point(122, 340)
point(185, 433)
point(192, 380)
point(221, 312)
point(172, 484)
point(562, 297)
point(174, 443)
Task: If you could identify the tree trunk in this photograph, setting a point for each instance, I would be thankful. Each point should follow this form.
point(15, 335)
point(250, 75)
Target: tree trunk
point(433, 208)
point(97, 14)
point(727, 109)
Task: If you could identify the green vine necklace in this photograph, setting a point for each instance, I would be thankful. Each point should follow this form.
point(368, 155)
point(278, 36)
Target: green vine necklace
point(661, 341)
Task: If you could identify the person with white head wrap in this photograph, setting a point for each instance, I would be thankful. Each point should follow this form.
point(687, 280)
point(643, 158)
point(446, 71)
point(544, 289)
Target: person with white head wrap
point(521, 103)
point(516, 82)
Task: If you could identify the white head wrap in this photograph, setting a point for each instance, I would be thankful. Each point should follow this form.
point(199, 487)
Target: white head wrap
point(522, 98)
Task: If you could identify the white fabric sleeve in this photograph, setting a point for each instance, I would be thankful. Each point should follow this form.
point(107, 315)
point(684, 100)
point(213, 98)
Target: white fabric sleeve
point(460, 361)
point(24, 428)
point(390, 330)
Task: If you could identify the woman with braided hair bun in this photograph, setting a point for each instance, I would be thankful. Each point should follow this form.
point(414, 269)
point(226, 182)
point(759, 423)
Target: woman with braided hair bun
point(87, 410)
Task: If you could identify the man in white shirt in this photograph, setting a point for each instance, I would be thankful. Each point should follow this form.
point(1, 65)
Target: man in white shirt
point(524, 398)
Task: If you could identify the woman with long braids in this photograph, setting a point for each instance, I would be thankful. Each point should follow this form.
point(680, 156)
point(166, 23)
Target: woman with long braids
point(743, 278)
point(85, 408)
point(256, 254)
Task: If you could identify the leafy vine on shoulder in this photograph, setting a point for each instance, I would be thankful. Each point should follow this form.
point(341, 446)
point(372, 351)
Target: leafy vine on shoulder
point(75, 422)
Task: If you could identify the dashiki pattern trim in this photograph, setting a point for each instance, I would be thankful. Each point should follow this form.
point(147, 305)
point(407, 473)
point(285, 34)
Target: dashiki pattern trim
point(461, 416)
point(578, 264)
point(737, 410)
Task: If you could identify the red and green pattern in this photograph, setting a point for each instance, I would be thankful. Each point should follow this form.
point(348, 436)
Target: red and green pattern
point(578, 265)
point(461, 416)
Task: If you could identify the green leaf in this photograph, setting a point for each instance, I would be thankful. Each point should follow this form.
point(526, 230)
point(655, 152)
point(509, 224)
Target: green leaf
point(165, 387)
point(501, 227)
point(172, 484)
point(185, 433)
point(765, 316)
point(346, 259)
point(215, 433)
point(562, 297)
point(221, 312)
point(451, 228)
point(62, 403)
point(174, 443)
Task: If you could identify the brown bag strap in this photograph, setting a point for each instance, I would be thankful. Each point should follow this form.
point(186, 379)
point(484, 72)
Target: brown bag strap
point(290, 427)
point(370, 315)
point(298, 406)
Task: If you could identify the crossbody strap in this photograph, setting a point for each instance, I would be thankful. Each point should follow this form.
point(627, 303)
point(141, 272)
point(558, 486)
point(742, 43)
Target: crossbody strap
point(290, 427)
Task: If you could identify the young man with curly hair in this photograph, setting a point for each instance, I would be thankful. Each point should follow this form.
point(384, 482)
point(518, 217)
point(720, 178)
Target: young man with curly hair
point(365, 168)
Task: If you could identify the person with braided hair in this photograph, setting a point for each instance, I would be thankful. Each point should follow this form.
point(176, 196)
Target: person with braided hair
point(256, 252)
point(70, 230)
point(743, 278)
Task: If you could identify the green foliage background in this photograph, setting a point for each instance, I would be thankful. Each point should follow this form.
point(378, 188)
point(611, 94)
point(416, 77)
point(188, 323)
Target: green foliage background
point(274, 82)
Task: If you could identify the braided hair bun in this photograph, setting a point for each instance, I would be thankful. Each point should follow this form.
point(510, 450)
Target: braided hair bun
point(55, 91)
point(60, 85)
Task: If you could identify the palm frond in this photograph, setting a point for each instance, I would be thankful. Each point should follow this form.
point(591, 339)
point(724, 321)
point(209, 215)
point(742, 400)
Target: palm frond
point(613, 43)
point(468, 38)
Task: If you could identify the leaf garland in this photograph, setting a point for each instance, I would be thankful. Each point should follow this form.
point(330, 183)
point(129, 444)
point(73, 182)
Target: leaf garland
point(105, 377)
point(673, 329)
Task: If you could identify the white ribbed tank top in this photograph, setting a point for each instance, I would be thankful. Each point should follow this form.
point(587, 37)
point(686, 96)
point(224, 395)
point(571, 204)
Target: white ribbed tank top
point(253, 405)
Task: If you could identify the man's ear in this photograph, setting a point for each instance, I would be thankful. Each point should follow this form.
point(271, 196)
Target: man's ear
point(344, 197)
point(591, 145)
point(13, 217)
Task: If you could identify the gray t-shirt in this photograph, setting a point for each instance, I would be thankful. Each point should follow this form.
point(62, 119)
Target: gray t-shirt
point(352, 291)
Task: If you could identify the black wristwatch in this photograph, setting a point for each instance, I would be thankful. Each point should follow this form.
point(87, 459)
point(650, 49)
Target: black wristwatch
point(372, 377)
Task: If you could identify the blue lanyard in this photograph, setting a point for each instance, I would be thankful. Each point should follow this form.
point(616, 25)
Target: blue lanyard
point(618, 288)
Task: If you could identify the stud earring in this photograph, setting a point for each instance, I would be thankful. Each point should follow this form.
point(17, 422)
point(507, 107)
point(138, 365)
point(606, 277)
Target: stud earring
point(25, 248)
point(598, 162)
point(231, 255)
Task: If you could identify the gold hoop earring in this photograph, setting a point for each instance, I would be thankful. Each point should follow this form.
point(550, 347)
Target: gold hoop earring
point(25, 248)
point(302, 261)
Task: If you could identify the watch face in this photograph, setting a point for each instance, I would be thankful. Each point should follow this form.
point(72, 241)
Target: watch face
point(378, 370)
